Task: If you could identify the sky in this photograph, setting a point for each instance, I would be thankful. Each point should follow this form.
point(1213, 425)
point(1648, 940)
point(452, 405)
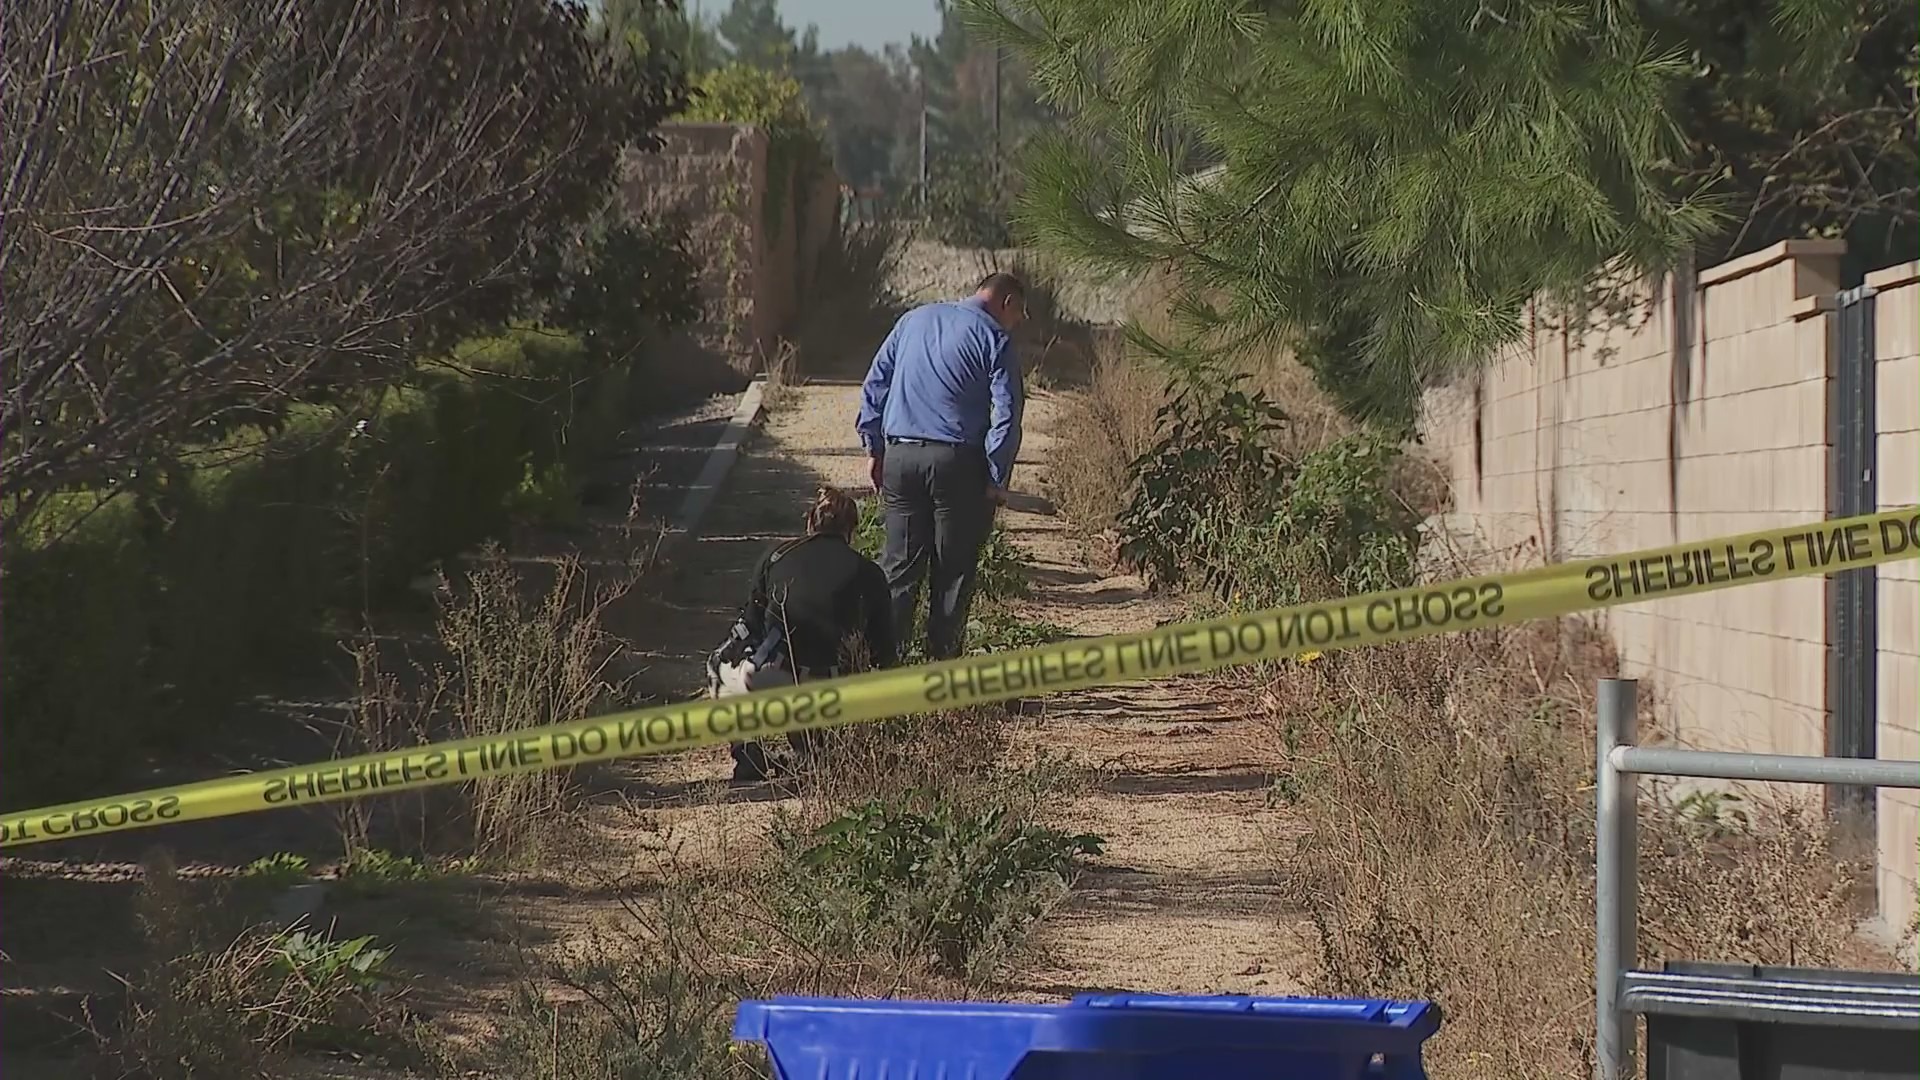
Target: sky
point(872, 23)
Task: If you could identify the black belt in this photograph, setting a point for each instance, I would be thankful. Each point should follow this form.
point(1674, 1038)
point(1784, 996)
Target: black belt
point(892, 441)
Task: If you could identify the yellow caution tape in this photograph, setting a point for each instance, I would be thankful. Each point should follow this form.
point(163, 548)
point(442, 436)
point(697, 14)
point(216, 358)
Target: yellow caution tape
point(1302, 631)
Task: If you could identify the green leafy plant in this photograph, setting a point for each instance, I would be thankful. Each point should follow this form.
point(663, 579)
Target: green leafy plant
point(278, 871)
point(948, 879)
point(1213, 465)
point(319, 960)
point(998, 629)
point(1712, 814)
point(744, 94)
point(1217, 504)
point(547, 496)
point(371, 871)
point(1001, 573)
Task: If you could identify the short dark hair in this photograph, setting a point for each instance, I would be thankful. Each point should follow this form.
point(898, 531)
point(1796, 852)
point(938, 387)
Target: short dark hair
point(1000, 286)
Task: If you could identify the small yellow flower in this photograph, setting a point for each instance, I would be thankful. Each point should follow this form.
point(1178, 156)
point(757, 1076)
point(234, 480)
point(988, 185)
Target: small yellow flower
point(1308, 657)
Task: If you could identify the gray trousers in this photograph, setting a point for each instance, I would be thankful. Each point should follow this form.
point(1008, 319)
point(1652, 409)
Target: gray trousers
point(937, 517)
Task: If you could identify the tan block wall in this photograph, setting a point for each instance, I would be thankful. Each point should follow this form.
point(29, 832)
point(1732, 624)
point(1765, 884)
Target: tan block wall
point(752, 277)
point(1897, 411)
point(1702, 414)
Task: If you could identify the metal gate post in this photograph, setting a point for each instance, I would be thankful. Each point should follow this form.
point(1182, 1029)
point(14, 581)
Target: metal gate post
point(1616, 879)
point(1852, 645)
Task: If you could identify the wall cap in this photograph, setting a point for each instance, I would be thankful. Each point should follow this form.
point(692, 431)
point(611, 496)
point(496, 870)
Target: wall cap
point(1756, 261)
point(1892, 277)
point(1809, 307)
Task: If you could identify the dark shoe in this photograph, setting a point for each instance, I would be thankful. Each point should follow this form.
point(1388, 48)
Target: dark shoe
point(750, 764)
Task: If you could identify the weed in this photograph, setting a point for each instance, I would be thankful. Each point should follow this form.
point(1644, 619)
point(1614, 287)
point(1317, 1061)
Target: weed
point(959, 749)
point(549, 496)
point(870, 535)
point(997, 629)
point(317, 960)
point(515, 664)
point(371, 872)
point(1002, 571)
point(1218, 502)
point(213, 1004)
point(959, 883)
point(1712, 814)
point(1109, 425)
point(279, 871)
point(375, 865)
point(645, 998)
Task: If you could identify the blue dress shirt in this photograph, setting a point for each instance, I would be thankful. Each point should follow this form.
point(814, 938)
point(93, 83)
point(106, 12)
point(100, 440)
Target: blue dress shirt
point(947, 373)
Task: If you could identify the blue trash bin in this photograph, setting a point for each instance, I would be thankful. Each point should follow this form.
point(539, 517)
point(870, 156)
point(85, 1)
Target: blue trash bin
point(1096, 1037)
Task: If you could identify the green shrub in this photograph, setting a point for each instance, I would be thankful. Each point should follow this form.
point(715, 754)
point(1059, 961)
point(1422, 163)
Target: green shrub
point(745, 94)
point(958, 882)
point(77, 587)
point(135, 623)
point(1216, 504)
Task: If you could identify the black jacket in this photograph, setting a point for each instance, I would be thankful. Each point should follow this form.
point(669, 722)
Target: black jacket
point(828, 598)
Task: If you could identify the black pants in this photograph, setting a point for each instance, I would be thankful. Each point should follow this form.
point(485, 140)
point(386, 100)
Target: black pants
point(937, 516)
point(750, 758)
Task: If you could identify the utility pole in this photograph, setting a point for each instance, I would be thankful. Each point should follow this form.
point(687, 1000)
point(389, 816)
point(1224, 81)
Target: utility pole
point(923, 144)
point(996, 112)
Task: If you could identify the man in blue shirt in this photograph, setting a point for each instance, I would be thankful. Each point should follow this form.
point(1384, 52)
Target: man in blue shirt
point(940, 418)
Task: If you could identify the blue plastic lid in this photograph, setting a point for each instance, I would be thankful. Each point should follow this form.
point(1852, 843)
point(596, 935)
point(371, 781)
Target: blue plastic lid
point(1108, 1036)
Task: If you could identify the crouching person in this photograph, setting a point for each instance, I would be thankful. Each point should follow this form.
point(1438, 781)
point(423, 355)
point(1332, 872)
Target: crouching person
point(817, 609)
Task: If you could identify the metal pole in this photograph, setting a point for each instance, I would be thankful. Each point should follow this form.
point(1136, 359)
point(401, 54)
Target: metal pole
point(1616, 880)
point(996, 112)
point(923, 144)
point(1769, 768)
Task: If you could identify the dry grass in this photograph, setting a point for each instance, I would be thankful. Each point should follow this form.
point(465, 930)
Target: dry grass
point(1446, 789)
point(222, 998)
point(1106, 426)
point(782, 371)
point(1110, 419)
point(514, 659)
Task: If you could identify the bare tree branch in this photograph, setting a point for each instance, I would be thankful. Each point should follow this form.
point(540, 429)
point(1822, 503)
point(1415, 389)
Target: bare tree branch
point(213, 210)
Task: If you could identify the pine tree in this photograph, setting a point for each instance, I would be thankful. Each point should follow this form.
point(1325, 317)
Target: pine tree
point(1381, 185)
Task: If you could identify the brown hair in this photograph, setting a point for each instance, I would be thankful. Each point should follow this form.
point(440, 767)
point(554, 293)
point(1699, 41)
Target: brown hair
point(833, 513)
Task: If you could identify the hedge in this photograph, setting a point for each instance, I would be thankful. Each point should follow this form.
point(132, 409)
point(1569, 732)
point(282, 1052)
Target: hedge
point(135, 624)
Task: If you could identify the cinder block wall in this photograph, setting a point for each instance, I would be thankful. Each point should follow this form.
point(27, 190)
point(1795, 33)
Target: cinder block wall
point(752, 277)
point(1702, 414)
point(715, 175)
point(1897, 410)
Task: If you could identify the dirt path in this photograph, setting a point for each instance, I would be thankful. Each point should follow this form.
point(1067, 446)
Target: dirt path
point(1184, 899)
